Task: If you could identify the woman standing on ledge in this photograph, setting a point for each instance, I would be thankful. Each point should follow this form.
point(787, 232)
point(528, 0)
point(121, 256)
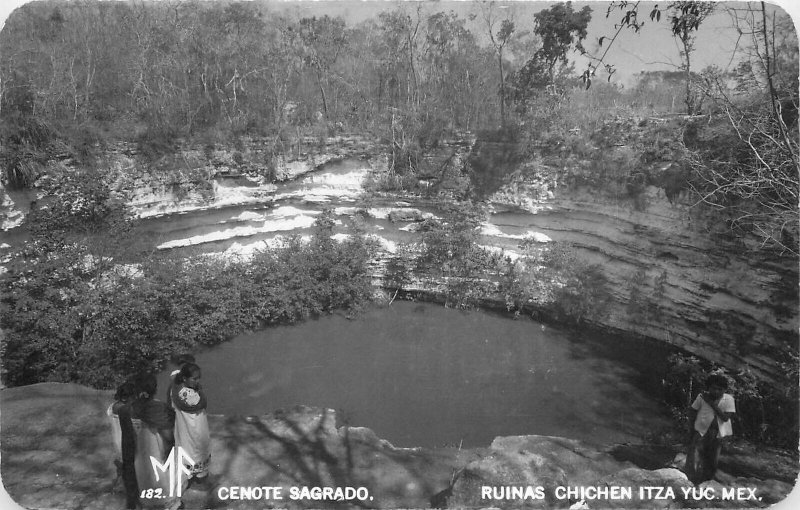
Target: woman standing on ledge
point(191, 422)
point(154, 440)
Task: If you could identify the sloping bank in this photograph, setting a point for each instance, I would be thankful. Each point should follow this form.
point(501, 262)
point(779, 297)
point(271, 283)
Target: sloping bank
point(56, 453)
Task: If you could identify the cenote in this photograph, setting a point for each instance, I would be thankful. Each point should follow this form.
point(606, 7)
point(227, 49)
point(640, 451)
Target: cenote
point(419, 374)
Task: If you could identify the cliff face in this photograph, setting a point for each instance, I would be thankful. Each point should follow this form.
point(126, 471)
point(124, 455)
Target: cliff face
point(669, 276)
point(672, 280)
point(198, 177)
point(57, 453)
point(676, 272)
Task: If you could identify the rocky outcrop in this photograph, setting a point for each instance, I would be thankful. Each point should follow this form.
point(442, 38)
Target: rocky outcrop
point(676, 272)
point(669, 277)
point(196, 176)
point(57, 453)
point(672, 280)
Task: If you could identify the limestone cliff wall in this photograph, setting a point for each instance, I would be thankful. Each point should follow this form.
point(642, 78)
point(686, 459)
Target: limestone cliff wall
point(673, 280)
point(670, 277)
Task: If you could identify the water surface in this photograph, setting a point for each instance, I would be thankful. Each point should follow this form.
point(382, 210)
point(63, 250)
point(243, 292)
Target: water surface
point(423, 375)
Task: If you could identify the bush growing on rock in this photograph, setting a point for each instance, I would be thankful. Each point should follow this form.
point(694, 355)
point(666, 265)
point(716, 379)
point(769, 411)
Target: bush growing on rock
point(26, 144)
point(70, 317)
point(554, 277)
point(451, 251)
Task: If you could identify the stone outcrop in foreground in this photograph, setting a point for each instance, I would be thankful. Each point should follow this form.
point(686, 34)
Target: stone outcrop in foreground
point(57, 453)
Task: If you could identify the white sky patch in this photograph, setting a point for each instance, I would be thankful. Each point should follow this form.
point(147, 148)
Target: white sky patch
point(340, 237)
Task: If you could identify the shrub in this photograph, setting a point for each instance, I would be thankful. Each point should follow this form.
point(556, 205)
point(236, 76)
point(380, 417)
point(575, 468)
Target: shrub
point(583, 293)
point(553, 275)
point(450, 250)
point(69, 319)
point(27, 144)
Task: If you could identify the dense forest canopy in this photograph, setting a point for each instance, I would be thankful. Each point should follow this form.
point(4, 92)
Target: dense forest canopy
point(74, 75)
point(170, 69)
point(178, 68)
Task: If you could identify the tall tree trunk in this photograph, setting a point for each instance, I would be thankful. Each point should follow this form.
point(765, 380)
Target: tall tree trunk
point(502, 89)
point(322, 94)
point(687, 50)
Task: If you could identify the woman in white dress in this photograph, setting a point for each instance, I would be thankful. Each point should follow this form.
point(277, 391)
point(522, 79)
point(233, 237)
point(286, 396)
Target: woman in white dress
point(191, 421)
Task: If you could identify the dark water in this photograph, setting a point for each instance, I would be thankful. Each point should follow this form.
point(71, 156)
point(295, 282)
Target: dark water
point(422, 375)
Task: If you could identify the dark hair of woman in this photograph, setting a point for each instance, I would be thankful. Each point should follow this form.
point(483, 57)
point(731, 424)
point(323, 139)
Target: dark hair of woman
point(188, 370)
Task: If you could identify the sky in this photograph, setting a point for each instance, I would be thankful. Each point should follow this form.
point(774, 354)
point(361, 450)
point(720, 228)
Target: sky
point(652, 49)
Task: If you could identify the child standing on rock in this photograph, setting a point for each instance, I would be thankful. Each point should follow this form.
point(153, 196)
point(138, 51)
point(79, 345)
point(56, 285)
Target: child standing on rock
point(710, 418)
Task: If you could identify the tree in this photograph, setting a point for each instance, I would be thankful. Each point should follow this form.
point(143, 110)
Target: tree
point(398, 55)
point(560, 29)
point(753, 175)
point(324, 39)
point(686, 17)
point(499, 39)
point(752, 172)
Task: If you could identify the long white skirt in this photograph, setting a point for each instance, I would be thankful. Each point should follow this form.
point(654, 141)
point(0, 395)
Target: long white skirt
point(192, 435)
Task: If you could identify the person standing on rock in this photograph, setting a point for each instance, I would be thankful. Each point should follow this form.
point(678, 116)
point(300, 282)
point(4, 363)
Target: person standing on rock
point(710, 417)
point(191, 422)
point(178, 361)
point(123, 434)
point(154, 440)
point(125, 394)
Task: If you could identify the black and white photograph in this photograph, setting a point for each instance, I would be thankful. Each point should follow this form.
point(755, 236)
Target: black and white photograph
point(387, 254)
